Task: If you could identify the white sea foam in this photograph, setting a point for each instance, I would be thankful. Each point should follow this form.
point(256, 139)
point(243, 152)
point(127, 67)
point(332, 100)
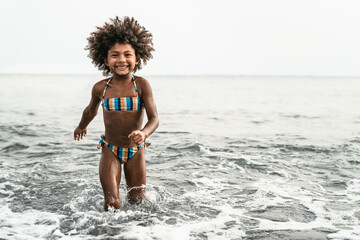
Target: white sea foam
point(215, 228)
point(353, 190)
point(225, 165)
point(292, 225)
point(345, 235)
point(27, 225)
point(324, 218)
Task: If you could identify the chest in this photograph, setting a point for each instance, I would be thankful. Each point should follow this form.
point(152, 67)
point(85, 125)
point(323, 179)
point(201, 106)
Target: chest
point(113, 91)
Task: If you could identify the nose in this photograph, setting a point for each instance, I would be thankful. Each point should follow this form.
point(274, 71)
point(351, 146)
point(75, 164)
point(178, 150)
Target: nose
point(121, 58)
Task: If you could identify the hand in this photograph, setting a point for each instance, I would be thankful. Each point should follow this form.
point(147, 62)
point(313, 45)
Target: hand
point(79, 133)
point(137, 136)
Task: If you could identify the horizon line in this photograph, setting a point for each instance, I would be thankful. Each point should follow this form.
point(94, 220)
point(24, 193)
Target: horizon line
point(195, 75)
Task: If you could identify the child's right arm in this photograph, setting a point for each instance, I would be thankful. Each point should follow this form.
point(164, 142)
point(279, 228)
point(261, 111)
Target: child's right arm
point(89, 113)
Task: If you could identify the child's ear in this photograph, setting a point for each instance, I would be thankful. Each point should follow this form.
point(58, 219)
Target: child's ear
point(137, 60)
point(106, 62)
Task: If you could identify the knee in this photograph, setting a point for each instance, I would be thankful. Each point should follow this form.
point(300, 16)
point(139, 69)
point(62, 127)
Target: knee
point(112, 202)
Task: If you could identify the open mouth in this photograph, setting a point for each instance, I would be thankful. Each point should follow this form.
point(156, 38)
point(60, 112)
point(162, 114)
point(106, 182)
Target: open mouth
point(121, 67)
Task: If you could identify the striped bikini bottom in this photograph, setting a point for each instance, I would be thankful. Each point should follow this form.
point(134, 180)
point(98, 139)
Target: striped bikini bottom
point(122, 154)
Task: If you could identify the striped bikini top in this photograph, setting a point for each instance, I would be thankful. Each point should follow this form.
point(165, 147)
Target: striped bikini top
point(121, 103)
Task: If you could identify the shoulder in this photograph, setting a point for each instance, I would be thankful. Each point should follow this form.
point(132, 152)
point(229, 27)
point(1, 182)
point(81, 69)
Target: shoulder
point(98, 87)
point(141, 82)
point(143, 85)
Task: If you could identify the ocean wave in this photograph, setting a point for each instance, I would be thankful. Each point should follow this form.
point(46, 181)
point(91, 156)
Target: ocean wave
point(285, 212)
point(25, 130)
point(306, 148)
point(42, 154)
point(355, 140)
point(187, 147)
point(296, 116)
point(315, 233)
point(172, 132)
point(15, 147)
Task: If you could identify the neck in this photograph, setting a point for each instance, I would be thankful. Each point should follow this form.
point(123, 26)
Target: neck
point(122, 78)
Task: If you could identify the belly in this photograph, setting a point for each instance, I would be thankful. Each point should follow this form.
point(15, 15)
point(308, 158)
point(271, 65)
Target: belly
point(118, 126)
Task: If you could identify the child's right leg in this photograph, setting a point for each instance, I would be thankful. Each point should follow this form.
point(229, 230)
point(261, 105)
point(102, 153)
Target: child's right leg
point(110, 175)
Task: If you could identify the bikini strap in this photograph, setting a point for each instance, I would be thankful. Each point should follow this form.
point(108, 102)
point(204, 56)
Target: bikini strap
point(133, 80)
point(146, 144)
point(106, 86)
point(102, 141)
point(136, 90)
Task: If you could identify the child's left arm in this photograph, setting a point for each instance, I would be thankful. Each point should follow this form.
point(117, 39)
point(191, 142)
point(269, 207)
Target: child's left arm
point(139, 136)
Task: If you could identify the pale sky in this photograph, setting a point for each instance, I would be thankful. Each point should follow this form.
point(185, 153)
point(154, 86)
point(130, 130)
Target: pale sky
point(254, 37)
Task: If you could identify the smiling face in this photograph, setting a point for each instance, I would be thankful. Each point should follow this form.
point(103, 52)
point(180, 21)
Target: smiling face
point(121, 59)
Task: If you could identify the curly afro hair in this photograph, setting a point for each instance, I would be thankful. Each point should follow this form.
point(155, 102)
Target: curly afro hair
point(126, 30)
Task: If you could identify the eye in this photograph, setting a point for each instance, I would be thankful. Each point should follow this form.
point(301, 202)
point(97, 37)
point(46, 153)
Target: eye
point(128, 55)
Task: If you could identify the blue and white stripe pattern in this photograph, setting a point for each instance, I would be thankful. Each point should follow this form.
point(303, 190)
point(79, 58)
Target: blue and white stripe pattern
point(121, 103)
point(122, 154)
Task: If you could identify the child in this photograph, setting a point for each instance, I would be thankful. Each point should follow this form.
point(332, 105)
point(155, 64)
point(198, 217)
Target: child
point(119, 48)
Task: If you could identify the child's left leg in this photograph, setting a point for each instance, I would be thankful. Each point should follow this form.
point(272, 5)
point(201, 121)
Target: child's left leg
point(135, 175)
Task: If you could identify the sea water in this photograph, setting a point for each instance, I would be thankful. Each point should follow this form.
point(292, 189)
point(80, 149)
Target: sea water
point(235, 157)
